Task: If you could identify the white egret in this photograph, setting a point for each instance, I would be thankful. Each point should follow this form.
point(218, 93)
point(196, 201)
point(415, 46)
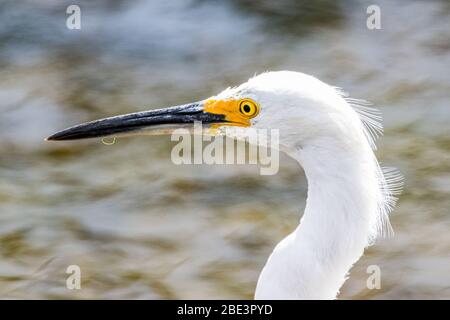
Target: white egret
point(331, 136)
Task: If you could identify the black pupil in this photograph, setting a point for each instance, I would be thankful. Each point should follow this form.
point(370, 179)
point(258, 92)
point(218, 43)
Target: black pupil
point(247, 108)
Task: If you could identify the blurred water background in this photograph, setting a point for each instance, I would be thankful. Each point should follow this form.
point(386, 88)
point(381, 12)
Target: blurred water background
point(141, 227)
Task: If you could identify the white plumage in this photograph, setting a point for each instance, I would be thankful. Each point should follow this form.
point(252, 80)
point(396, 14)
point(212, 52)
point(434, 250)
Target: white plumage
point(349, 195)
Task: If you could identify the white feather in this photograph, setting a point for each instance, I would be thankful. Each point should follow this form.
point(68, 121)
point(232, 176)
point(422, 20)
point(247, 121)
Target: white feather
point(349, 195)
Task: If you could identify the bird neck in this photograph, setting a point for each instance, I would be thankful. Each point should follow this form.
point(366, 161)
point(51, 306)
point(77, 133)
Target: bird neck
point(313, 261)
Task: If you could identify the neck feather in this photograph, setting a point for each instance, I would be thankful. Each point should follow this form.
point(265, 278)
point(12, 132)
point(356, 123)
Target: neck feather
point(340, 219)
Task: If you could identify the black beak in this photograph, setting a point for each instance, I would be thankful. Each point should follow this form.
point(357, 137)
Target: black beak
point(160, 121)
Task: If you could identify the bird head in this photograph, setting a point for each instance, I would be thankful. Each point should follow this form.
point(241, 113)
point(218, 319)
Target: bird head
point(303, 109)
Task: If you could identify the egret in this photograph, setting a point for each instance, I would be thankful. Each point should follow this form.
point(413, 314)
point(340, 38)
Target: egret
point(331, 136)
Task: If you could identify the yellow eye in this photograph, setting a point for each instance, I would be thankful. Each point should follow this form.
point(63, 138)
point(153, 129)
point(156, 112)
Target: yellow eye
point(248, 108)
